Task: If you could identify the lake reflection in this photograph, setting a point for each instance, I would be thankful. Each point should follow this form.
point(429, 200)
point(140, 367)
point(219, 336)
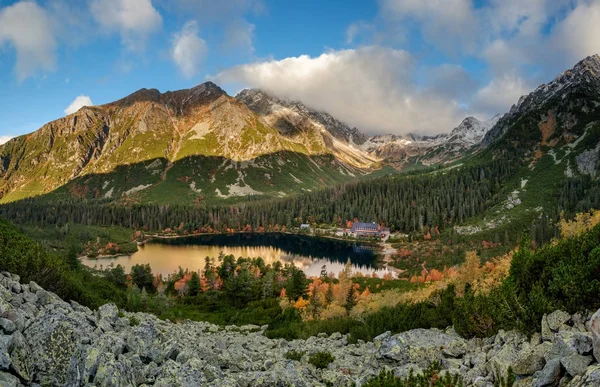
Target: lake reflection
point(165, 256)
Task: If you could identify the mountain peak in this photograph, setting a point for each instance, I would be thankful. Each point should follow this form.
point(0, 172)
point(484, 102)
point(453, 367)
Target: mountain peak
point(591, 64)
point(570, 85)
point(265, 104)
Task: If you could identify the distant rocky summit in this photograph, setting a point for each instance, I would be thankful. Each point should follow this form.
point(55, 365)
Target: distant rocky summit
point(46, 341)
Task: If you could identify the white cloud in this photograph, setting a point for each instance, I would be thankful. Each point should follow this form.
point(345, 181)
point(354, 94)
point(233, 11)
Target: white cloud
point(229, 15)
point(369, 87)
point(134, 20)
point(500, 94)
point(28, 28)
point(4, 139)
point(240, 35)
point(578, 35)
point(450, 24)
point(79, 102)
point(189, 50)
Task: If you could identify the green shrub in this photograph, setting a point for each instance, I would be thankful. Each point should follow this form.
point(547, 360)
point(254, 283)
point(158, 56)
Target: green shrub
point(134, 321)
point(429, 378)
point(321, 359)
point(294, 355)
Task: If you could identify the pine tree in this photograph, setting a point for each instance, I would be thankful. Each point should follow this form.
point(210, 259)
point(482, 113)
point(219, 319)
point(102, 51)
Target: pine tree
point(350, 299)
point(193, 285)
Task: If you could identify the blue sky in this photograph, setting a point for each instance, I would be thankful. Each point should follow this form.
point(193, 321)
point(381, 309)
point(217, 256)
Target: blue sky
point(392, 66)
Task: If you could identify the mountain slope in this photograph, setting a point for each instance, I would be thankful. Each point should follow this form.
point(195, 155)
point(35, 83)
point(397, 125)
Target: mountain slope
point(560, 119)
point(201, 141)
point(295, 121)
point(429, 150)
point(293, 118)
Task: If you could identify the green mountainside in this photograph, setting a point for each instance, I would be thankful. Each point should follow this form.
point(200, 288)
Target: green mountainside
point(183, 146)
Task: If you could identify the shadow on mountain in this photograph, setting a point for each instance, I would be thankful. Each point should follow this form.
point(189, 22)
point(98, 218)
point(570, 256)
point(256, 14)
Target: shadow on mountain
point(209, 179)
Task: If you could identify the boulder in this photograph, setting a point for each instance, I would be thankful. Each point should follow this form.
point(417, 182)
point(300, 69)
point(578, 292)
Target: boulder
point(422, 347)
point(549, 375)
point(500, 362)
point(56, 350)
point(531, 359)
point(557, 319)
point(576, 364)
point(7, 326)
point(20, 354)
point(4, 355)
point(8, 380)
point(591, 378)
point(567, 343)
point(547, 334)
point(109, 312)
point(594, 326)
point(113, 373)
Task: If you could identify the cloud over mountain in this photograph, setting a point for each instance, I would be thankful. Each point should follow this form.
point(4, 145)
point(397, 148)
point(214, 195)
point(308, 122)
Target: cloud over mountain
point(370, 87)
point(79, 102)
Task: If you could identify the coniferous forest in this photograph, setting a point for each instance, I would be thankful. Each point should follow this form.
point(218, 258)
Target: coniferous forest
point(403, 203)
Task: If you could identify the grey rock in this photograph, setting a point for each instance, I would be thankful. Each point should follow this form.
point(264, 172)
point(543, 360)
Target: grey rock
point(20, 353)
point(567, 343)
point(34, 287)
point(594, 326)
point(422, 347)
point(7, 326)
point(591, 378)
point(112, 373)
point(405, 370)
point(8, 380)
point(557, 319)
point(5, 361)
point(549, 375)
point(16, 287)
point(109, 312)
point(576, 364)
point(532, 359)
point(500, 362)
point(547, 334)
point(249, 328)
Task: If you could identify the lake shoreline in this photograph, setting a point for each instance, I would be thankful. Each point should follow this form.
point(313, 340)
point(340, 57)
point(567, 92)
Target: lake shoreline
point(300, 248)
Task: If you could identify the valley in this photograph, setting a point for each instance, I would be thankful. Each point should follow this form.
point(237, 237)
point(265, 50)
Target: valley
point(195, 205)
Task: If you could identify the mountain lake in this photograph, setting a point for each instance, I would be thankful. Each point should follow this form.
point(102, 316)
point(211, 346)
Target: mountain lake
point(165, 256)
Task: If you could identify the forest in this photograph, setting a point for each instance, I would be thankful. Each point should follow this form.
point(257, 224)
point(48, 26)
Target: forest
point(240, 291)
point(403, 203)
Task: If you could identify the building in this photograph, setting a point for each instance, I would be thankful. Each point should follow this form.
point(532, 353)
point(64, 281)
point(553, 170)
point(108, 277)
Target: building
point(365, 229)
point(305, 226)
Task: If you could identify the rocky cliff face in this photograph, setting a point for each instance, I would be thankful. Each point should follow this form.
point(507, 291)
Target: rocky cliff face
point(47, 341)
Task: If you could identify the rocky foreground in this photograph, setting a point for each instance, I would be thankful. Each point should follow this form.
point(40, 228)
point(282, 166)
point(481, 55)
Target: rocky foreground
point(49, 342)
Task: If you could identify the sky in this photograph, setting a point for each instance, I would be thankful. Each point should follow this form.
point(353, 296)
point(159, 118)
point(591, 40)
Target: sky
point(384, 66)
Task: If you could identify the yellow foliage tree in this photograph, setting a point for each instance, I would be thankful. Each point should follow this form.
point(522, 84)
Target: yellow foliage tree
point(583, 222)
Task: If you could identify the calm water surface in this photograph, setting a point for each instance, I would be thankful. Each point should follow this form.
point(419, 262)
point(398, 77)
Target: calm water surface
point(165, 256)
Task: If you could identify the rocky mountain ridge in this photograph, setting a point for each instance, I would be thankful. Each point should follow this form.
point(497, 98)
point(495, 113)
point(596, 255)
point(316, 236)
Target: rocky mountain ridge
point(579, 85)
point(200, 140)
point(294, 116)
point(47, 341)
